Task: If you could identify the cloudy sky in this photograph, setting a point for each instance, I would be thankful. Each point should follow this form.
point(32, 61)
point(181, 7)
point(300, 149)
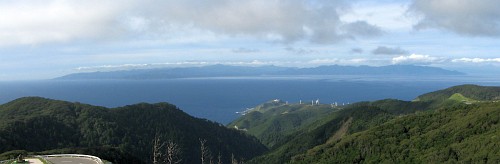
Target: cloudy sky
point(46, 39)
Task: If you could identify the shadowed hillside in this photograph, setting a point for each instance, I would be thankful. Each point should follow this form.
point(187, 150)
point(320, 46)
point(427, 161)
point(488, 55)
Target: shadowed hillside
point(37, 124)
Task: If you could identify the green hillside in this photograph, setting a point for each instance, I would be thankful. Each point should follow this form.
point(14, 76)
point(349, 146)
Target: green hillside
point(455, 125)
point(272, 121)
point(329, 128)
point(462, 133)
point(333, 126)
point(435, 122)
point(462, 98)
point(475, 92)
point(37, 124)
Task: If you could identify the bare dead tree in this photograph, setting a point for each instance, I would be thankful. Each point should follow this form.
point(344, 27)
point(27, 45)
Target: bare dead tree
point(205, 152)
point(219, 159)
point(157, 146)
point(234, 160)
point(173, 153)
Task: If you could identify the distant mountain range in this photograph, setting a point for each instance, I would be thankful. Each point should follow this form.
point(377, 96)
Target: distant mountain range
point(239, 71)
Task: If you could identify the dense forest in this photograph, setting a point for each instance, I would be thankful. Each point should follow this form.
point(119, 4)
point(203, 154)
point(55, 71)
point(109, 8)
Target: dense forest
point(272, 121)
point(37, 124)
point(460, 133)
point(458, 124)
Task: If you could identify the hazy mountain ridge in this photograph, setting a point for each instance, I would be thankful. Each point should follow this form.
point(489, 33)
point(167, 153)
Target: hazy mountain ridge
point(238, 71)
point(52, 124)
point(333, 137)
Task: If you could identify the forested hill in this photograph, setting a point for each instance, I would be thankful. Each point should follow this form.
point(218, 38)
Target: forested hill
point(458, 124)
point(37, 124)
point(473, 92)
point(461, 133)
point(272, 121)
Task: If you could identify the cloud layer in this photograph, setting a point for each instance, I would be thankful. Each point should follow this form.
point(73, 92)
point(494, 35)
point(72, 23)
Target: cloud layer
point(465, 17)
point(383, 50)
point(283, 20)
point(316, 21)
point(300, 51)
point(477, 60)
point(244, 50)
point(33, 22)
point(356, 51)
point(416, 59)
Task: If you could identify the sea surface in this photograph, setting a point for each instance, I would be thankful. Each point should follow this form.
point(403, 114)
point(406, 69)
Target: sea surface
point(218, 99)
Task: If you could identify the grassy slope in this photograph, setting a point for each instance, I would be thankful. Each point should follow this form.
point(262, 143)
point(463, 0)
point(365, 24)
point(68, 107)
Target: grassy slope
point(475, 92)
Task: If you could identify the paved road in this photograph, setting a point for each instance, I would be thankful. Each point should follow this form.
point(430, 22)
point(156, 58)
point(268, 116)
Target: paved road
point(33, 161)
point(71, 160)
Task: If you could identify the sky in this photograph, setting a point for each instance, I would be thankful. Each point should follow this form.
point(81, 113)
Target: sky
point(51, 38)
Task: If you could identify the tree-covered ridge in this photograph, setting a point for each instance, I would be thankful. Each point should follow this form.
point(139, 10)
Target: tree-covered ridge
point(309, 143)
point(272, 121)
point(474, 92)
point(461, 133)
point(36, 124)
point(351, 119)
point(327, 127)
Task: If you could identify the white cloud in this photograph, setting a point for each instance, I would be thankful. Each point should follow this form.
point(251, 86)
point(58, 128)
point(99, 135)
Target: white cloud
point(300, 51)
point(416, 59)
point(356, 50)
point(251, 63)
point(476, 60)
point(383, 50)
point(390, 16)
point(465, 17)
point(34, 22)
point(333, 61)
point(139, 66)
point(285, 20)
point(176, 65)
point(245, 50)
point(323, 61)
point(361, 28)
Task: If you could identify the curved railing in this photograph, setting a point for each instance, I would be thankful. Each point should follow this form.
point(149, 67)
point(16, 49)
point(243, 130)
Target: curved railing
point(97, 159)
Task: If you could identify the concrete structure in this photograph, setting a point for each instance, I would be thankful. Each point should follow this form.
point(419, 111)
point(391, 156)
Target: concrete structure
point(72, 158)
point(34, 161)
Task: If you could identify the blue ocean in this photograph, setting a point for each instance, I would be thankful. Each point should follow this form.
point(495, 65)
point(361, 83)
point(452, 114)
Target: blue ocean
point(218, 99)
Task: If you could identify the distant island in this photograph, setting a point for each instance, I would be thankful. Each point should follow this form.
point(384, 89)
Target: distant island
point(239, 71)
